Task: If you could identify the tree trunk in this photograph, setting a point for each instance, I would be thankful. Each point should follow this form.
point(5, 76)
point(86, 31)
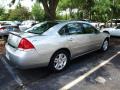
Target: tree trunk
point(50, 8)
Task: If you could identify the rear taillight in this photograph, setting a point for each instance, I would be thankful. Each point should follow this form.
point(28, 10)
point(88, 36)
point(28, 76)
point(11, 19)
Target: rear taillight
point(2, 28)
point(25, 44)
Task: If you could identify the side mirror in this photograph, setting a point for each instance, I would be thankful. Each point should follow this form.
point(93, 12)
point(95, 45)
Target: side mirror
point(97, 31)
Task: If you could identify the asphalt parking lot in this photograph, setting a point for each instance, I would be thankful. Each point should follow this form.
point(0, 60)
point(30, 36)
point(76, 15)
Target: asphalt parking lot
point(82, 73)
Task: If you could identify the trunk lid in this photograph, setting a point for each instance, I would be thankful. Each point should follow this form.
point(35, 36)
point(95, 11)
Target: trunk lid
point(15, 38)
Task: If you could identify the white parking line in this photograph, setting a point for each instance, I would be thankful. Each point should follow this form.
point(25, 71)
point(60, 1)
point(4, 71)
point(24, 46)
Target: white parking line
point(12, 72)
point(82, 77)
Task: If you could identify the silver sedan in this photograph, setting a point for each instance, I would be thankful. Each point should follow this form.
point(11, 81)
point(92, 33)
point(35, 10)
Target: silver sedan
point(54, 44)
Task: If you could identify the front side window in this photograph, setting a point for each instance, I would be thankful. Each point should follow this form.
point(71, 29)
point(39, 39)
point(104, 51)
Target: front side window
point(89, 29)
point(71, 28)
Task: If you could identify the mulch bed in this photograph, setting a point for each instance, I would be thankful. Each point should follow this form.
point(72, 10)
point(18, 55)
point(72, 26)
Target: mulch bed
point(2, 46)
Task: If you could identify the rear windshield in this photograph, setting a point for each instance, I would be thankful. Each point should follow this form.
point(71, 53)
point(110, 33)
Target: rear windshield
point(41, 28)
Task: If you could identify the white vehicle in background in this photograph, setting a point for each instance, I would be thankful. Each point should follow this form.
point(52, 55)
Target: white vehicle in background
point(112, 31)
point(95, 24)
point(102, 25)
point(16, 23)
point(113, 23)
point(8, 26)
point(27, 24)
point(110, 23)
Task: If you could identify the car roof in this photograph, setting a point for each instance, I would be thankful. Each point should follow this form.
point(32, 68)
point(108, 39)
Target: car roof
point(66, 21)
point(54, 30)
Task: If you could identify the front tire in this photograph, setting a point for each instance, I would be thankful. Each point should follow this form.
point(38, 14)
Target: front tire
point(59, 61)
point(105, 45)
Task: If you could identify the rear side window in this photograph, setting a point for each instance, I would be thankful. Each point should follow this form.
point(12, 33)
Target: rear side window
point(71, 28)
point(89, 29)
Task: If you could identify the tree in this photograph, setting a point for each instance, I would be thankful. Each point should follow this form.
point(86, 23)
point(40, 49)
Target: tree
point(37, 12)
point(84, 7)
point(115, 8)
point(105, 10)
point(87, 6)
point(3, 15)
point(2, 11)
point(19, 13)
point(101, 10)
point(70, 5)
point(50, 8)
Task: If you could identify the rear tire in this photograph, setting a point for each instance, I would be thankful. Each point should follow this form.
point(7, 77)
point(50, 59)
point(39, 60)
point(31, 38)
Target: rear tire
point(105, 45)
point(59, 61)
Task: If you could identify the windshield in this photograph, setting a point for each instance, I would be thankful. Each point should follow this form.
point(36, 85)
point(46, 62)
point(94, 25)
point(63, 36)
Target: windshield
point(41, 28)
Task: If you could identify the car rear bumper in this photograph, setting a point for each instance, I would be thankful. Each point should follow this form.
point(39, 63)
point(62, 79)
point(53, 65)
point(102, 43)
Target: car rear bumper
point(25, 59)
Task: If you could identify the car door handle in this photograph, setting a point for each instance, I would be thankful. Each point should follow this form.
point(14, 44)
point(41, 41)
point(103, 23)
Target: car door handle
point(70, 39)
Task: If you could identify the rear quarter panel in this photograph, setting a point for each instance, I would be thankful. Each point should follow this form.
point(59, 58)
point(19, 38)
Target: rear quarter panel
point(48, 45)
